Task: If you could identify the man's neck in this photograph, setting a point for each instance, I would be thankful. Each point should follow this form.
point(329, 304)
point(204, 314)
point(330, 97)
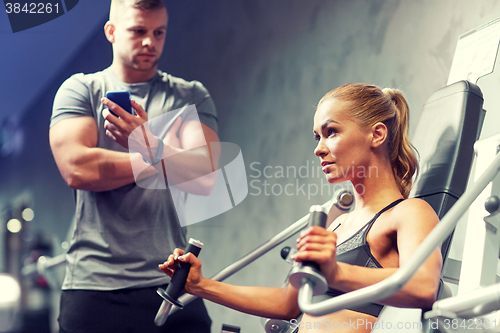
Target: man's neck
point(128, 75)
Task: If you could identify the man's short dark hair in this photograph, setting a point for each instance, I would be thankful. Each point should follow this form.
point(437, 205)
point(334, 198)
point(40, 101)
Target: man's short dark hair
point(144, 4)
point(149, 4)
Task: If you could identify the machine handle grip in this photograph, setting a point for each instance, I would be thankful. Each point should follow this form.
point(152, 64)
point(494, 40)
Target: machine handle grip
point(317, 217)
point(179, 278)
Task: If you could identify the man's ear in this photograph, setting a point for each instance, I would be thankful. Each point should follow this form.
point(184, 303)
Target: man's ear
point(379, 134)
point(109, 31)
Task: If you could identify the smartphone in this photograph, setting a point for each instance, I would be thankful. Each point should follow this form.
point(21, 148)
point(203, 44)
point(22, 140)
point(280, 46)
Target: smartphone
point(122, 98)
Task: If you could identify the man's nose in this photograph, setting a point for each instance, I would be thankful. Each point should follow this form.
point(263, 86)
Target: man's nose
point(147, 41)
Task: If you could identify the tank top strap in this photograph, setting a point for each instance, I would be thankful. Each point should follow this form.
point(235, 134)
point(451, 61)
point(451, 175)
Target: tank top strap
point(368, 226)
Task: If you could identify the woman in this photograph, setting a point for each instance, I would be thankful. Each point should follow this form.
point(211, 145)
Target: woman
point(362, 135)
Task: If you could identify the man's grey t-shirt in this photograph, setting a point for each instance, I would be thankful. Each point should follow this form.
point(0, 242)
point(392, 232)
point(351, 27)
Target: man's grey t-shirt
point(122, 235)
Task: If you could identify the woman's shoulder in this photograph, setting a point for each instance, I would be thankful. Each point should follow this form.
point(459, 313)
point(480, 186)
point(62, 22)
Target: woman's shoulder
point(414, 210)
point(414, 203)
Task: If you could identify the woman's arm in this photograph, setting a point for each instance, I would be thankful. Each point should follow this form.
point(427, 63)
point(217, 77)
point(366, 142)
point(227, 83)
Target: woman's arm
point(260, 301)
point(412, 220)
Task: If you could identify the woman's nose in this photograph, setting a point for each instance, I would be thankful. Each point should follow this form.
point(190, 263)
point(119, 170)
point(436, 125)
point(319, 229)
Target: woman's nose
point(320, 149)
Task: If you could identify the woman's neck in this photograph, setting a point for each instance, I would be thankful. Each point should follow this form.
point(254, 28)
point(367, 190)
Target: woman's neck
point(377, 190)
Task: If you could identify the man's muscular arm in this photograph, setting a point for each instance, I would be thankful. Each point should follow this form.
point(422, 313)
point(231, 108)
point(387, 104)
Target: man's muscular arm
point(84, 166)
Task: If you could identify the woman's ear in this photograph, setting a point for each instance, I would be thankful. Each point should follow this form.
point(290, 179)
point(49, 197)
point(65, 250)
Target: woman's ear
point(379, 134)
point(109, 31)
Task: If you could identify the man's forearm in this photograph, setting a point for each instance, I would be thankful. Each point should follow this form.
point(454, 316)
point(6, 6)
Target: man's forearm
point(101, 170)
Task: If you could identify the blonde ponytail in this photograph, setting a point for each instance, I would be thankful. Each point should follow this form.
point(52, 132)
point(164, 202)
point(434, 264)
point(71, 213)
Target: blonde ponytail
point(401, 151)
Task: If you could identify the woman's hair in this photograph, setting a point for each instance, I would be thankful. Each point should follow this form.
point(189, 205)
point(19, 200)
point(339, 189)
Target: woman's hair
point(388, 106)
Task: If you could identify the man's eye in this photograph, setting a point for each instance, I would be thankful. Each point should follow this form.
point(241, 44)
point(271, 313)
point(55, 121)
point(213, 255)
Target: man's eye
point(159, 33)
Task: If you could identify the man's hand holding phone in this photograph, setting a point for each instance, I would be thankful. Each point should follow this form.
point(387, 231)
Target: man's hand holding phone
point(120, 120)
point(122, 99)
point(120, 124)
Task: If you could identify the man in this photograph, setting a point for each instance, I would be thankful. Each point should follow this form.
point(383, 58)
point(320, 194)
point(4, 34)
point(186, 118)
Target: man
point(123, 231)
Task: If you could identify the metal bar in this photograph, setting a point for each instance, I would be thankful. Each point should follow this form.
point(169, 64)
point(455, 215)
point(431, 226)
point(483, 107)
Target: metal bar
point(471, 304)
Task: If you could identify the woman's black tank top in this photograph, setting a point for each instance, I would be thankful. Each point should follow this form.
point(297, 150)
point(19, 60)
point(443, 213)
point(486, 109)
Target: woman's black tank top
point(356, 251)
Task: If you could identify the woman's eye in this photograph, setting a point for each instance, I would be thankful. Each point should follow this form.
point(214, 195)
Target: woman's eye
point(316, 137)
point(331, 132)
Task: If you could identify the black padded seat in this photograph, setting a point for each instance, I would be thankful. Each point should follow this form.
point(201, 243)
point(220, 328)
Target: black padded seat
point(449, 125)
